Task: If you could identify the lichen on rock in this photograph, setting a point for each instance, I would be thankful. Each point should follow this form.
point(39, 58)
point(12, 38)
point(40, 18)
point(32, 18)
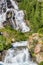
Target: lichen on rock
point(35, 46)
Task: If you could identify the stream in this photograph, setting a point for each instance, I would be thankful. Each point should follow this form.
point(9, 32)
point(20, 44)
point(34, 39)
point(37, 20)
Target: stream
point(17, 18)
point(19, 53)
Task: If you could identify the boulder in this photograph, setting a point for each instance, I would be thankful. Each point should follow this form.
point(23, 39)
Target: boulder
point(35, 46)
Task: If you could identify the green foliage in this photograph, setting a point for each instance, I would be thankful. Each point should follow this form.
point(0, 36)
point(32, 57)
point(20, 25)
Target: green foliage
point(6, 47)
point(13, 34)
point(2, 42)
point(41, 63)
point(40, 30)
point(34, 13)
point(1, 47)
point(41, 21)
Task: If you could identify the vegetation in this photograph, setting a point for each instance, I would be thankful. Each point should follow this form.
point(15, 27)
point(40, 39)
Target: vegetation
point(34, 13)
point(9, 36)
point(41, 63)
point(40, 30)
point(2, 42)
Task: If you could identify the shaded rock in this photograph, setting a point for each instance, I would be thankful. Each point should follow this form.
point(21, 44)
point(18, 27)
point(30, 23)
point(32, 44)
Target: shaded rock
point(0, 57)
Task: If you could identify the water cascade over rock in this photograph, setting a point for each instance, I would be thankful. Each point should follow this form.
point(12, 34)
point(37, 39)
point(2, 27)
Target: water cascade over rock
point(18, 55)
point(17, 18)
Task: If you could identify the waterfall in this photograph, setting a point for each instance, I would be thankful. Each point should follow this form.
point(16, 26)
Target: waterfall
point(19, 18)
point(14, 5)
point(2, 18)
point(18, 55)
point(19, 15)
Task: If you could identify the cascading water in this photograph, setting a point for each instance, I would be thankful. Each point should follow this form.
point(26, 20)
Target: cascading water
point(19, 18)
point(14, 5)
point(19, 15)
point(18, 55)
point(2, 12)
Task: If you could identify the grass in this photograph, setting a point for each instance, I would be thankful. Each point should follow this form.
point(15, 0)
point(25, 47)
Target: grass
point(13, 34)
point(34, 13)
point(32, 9)
point(8, 35)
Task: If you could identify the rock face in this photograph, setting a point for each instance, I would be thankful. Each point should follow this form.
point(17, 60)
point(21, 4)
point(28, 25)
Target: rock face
point(36, 46)
point(2, 55)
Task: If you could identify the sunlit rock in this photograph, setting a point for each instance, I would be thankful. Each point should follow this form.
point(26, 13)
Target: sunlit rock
point(35, 46)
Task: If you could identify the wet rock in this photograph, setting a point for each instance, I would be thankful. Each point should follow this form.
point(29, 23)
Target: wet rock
point(18, 0)
point(3, 54)
point(1, 33)
point(9, 4)
point(0, 57)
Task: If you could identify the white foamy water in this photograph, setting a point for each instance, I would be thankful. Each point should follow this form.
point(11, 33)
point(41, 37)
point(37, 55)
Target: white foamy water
point(15, 55)
point(19, 16)
point(18, 56)
point(18, 44)
point(2, 18)
point(14, 4)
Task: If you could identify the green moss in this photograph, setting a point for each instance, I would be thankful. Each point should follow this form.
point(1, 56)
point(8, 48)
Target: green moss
point(40, 63)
